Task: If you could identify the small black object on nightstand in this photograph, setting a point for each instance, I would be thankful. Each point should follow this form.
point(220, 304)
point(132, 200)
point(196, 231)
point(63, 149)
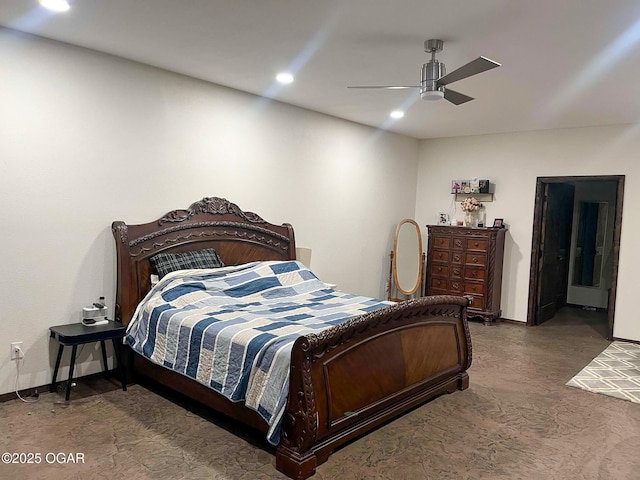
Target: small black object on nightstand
point(75, 334)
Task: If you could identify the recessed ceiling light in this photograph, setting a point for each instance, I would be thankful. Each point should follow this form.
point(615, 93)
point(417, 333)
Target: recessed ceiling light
point(55, 5)
point(397, 114)
point(284, 78)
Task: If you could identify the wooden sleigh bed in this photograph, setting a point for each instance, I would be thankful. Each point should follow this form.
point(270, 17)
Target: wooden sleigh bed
point(344, 381)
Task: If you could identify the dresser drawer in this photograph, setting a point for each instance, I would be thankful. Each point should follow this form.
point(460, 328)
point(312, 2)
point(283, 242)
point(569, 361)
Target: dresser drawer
point(458, 243)
point(477, 244)
point(457, 258)
point(438, 284)
point(440, 271)
point(472, 258)
point(440, 256)
point(442, 242)
point(474, 273)
point(455, 286)
point(477, 302)
point(474, 288)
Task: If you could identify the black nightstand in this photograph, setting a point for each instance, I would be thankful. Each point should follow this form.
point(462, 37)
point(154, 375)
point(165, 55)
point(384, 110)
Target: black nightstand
point(75, 334)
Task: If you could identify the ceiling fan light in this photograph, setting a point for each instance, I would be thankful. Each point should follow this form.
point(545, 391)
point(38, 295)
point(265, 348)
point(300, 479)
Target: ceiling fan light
point(432, 95)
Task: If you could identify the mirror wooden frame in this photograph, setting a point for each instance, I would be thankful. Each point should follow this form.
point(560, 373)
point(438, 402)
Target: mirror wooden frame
point(394, 255)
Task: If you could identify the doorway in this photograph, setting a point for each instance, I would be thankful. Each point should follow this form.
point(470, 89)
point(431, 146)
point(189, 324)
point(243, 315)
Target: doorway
point(575, 246)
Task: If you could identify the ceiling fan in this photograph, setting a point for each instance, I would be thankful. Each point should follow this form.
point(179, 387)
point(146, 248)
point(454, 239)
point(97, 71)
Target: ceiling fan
point(434, 77)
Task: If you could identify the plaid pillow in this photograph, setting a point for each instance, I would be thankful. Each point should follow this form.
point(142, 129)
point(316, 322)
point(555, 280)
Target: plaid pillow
point(164, 263)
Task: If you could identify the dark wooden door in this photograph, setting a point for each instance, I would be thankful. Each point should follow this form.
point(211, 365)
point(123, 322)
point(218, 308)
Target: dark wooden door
point(557, 216)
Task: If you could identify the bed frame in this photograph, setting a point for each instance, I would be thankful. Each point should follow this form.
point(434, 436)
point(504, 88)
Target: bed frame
point(344, 381)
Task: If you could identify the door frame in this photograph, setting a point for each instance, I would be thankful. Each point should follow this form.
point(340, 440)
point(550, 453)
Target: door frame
point(534, 272)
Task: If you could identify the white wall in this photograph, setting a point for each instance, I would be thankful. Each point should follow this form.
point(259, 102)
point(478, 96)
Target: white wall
point(87, 138)
point(513, 162)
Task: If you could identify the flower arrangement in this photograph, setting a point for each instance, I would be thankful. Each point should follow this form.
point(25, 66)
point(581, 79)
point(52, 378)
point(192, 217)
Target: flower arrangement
point(470, 204)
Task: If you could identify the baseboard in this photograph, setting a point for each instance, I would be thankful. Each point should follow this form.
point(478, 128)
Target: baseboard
point(515, 322)
point(27, 392)
point(616, 339)
point(584, 307)
point(34, 391)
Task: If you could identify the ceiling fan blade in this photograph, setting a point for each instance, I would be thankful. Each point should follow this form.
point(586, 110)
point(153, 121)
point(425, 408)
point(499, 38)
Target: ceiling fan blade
point(389, 87)
point(456, 98)
point(474, 67)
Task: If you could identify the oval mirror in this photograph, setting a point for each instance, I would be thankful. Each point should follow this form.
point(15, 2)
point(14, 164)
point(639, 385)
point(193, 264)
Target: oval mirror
point(407, 257)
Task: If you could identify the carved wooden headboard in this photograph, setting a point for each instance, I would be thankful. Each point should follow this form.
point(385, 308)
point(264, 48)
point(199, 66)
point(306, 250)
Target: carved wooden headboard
point(237, 236)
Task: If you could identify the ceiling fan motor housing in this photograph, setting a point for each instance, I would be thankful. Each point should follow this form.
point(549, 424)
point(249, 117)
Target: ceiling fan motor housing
point(431, 72)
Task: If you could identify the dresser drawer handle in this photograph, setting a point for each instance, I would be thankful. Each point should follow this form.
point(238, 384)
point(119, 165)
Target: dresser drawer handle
point(474, 259)
point(456, 271)
point(458, 243)
point(456, 258)
point(439, 269)
point(476, 244)
point(455, 285)
point(474, 274)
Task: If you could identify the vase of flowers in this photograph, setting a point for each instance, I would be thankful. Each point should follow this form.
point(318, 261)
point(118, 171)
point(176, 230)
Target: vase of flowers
point(471, 207)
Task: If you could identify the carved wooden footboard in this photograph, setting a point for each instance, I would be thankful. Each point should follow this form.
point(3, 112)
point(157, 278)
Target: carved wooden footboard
point(351, 378)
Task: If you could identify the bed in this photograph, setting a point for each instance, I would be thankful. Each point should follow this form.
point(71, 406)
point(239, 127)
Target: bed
point(343, 380)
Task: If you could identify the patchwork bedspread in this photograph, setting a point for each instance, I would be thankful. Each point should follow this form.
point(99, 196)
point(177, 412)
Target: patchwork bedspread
point(233, 328)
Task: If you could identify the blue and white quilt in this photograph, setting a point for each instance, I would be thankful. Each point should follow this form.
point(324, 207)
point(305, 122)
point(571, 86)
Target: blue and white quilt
point(232, 328)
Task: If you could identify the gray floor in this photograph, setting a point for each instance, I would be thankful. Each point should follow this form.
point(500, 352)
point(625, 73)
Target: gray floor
point(517, 420)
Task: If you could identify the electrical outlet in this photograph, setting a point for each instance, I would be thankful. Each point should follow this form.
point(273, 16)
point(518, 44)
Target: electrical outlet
point(16, 351)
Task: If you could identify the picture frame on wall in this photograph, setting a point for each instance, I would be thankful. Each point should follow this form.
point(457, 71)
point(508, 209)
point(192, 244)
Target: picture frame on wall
point(443, 218)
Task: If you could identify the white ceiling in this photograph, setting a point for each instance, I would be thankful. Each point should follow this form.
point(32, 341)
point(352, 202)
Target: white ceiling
point(566, 63)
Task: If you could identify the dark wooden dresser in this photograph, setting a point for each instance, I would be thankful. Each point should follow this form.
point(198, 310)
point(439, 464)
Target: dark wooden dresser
point(467, 261)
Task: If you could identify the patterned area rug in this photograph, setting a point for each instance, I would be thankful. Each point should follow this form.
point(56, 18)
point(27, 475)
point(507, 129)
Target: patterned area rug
point(615, 372)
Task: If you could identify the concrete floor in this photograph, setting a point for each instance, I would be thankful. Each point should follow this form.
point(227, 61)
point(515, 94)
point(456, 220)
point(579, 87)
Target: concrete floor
point(517, 420)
